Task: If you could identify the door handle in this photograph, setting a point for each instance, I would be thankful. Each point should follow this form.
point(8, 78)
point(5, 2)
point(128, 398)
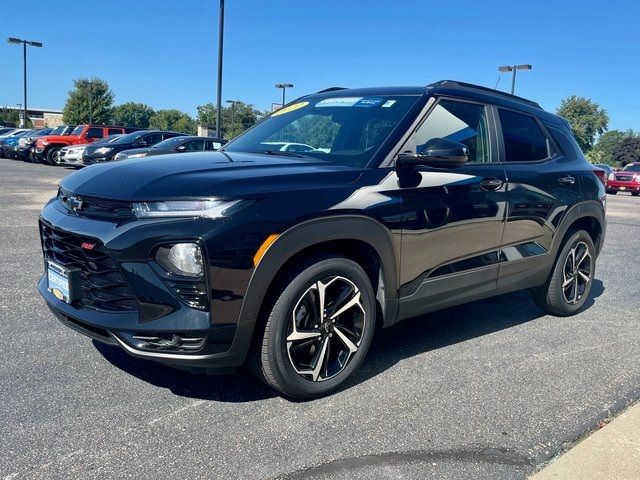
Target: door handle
point(566, 180)
point(491, 183)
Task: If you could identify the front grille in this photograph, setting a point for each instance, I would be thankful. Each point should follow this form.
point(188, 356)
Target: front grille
point(624, 178)
point(102, 285)
point(98, 208)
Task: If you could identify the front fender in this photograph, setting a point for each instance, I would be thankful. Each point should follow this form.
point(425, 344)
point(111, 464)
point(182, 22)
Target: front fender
point(316, 231)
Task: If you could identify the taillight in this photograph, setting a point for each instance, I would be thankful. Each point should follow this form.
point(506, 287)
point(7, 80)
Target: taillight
point(601, 174)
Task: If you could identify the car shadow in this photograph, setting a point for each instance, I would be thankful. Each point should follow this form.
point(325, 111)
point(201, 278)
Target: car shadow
point(404, 340)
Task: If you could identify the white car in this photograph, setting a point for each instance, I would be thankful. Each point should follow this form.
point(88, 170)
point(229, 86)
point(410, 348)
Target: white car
point(71, 155)
point(288, 147)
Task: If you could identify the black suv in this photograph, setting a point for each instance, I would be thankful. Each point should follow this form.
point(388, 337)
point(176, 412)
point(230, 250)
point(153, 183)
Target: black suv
point(139, 139)
point(412, 199)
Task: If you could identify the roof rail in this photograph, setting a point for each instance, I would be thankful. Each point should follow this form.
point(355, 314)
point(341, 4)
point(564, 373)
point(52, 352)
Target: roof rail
point(331, 89)
point(455, 83)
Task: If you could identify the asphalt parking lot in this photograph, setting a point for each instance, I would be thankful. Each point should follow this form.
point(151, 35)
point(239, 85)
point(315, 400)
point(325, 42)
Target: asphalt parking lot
point(487, 390)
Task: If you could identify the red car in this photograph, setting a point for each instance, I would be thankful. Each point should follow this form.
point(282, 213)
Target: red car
point(625, 180)
point(46, 148)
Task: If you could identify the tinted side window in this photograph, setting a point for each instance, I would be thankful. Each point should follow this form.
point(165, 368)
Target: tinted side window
point(114, 131)
point(152, 138)
point(194, 145)
point(460, 122)
point(523, 139)
point(95, 132)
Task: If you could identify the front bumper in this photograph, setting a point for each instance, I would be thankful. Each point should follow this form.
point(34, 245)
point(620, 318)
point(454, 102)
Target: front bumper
point(71, 159)
point(222, 343)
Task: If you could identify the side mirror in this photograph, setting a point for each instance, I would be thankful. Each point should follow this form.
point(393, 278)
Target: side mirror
point(181, 148)
point(438, 153)
point(142, 143)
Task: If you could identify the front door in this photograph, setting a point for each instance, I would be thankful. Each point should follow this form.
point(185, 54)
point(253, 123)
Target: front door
point(452, 218)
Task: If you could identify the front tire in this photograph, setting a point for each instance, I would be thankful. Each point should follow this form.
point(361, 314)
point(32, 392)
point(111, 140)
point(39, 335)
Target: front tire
point(52, 156)
point(569, 284)
point(635, 194)
point(318, 330)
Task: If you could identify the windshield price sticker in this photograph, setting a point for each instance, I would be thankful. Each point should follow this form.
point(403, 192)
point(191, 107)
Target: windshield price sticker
point(339, 102)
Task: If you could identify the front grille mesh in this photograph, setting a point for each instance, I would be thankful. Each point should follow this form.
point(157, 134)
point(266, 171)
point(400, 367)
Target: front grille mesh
point(103, 285)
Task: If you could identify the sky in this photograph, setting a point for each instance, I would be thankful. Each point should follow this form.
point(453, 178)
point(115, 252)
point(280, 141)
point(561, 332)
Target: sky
point(164, 52)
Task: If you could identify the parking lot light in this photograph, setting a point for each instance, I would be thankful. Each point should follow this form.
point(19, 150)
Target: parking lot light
point(284, 87)
point(18, 41)
point(514, 68)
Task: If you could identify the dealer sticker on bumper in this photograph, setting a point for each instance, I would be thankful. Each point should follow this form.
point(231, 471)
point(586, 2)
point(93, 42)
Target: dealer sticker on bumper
point(58, 281)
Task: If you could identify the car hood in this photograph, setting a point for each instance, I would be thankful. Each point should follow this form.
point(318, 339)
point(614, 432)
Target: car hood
point(60, 139)
point(205, 174)
point(131, 151)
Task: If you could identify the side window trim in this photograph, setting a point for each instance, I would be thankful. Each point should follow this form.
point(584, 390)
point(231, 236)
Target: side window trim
point(553, 151)
point(490, 121)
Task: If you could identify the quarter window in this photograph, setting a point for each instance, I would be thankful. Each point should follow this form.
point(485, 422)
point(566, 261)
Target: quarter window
point(523, 138)
point(460, 122)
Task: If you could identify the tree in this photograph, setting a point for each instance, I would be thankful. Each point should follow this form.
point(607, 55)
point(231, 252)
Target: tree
point(604, 150)
point(586, 118)
point(12, 116)
point(173, 120)
point(132, 114)
point(628, 151)
point(235, 120)
point(89, 101)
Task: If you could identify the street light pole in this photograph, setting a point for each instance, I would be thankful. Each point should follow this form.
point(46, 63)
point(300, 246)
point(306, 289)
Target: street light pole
point(233, 120)
point(90, 102)
point(219, 97)
point(514, 69)
point(18, 41)
point(284, 87)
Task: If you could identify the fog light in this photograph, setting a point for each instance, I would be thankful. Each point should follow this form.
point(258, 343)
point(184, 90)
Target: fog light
point(181, 259)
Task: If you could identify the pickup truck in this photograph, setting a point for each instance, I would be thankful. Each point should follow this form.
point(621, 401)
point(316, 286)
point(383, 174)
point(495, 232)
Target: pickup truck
point(47, 147)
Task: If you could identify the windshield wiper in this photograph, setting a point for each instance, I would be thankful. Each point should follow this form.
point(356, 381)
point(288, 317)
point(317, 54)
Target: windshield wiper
point(284, 154)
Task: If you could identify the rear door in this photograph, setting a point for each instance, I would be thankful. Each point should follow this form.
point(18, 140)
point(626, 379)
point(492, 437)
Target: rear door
point(452, 218)
point(542, 187)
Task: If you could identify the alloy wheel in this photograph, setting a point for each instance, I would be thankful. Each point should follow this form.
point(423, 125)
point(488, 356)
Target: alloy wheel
point(326, 328)
point(577, 272)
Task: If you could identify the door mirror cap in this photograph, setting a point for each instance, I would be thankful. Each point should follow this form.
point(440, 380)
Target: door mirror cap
point(438, 153)
point(181, 148)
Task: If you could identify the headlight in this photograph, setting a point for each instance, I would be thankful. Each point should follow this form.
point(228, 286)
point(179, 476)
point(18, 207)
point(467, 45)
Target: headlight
point(120, 156)
point(210, 208)
point(612, 176)
point(636, 178)
point(181, 259)
point(135, 155)
point(103, 150)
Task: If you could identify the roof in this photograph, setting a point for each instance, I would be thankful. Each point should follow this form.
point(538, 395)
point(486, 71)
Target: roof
point(446, 87)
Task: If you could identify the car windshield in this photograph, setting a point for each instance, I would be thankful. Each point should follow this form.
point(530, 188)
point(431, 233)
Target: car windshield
point(342, 130)
point(130, 137)
point(633, 167)
point(78, 130)
point(109, 139)
point(169, 143)
point(59, 130)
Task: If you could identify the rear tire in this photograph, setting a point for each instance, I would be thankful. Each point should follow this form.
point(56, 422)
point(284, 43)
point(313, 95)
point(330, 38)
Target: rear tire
point(569, 285)
point(318, 329)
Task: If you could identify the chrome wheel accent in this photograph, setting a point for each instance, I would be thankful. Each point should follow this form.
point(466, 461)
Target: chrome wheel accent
point(577, 272)
point(326, 328)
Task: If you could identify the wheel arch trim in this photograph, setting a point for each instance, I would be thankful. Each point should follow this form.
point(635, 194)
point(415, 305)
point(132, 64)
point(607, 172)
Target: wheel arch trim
point(318, 231)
